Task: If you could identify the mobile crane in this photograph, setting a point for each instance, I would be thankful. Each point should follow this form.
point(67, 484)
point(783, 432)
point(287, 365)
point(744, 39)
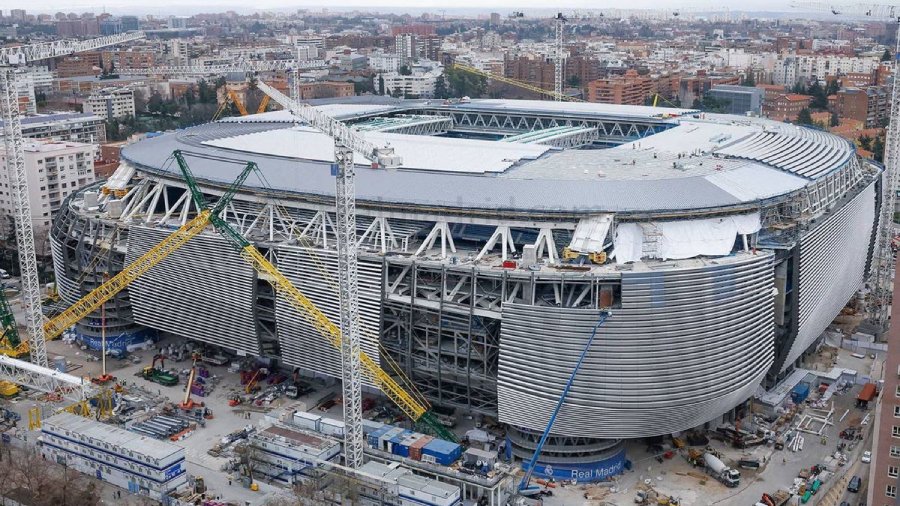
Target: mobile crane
point(524, 485)
point(312, 314)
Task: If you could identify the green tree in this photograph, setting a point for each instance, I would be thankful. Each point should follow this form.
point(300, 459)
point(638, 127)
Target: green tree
point(464, 84)
point(749, 80)
point(865, 142)
point(112, 130)
point(835, 120)
point(405, 70)
point(380, 84)
point(878, 148)
point(832, 88)
point(440, 88)
point(819, 98)
point(887, 55)
point(799, 88)
point(574, 81)
point(804, 117)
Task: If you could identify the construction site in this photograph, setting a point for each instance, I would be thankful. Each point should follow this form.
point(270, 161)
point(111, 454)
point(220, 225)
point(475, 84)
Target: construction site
point(385, 301)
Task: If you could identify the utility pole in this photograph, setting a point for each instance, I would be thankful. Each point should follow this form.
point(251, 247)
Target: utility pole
point(345, 201)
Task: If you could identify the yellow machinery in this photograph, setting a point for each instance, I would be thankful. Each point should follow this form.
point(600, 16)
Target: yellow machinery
point(410, 405)
point(237, 102)
point(8, 389)
point(34, 417)
point(263, 104)
point(597, 257)
point(515, 82)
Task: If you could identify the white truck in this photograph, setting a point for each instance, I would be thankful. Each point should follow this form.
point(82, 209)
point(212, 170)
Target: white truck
point(728, 476)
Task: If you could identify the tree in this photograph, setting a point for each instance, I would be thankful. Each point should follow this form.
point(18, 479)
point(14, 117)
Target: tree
point(865, 142)
point(832, 88)
point(155, 103)
point(465, 84)
point(887, 55)
point(749, 80)
point(819, 98)
point(835, 120)
point(799, 88)
point(878, 148)
point(440, 88)
point(380, 84)
point(804, 117)
point(574, 81)
point(404, 70)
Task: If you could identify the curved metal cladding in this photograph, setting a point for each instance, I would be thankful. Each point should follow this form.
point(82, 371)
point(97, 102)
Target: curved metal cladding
point(204, 291)
point(833, 258)
point(314, 272)
point(686, 346)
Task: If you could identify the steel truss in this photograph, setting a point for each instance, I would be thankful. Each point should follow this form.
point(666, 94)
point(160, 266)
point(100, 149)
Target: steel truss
point(44, 379)
point(617, 130)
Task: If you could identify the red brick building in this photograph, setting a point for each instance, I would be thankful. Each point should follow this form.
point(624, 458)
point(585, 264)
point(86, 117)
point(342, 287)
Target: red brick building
point(630, 89)
point(112, 60)
point(786, 107)
point(326, 89)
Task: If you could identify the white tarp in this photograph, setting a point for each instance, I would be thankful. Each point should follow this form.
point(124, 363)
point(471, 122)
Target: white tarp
point(628, 243)
point(590, 234)
point(685, 238)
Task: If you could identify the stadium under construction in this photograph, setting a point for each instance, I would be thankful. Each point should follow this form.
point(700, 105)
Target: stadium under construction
point(722, 245)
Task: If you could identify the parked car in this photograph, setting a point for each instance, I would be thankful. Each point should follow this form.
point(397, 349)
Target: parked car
point(854, 484)
point(866, 457)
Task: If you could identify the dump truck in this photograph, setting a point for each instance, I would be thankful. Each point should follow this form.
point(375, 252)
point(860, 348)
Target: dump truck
point(729, 477)
point(158, 376)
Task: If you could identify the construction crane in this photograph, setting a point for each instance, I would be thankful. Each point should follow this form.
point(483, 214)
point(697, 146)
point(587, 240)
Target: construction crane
point(558, 57)
point(10, 60)
point(515, 82)
point(414, 409)
point(524, 485)
point(8, 323)
point(884, 257)
point(263, 104)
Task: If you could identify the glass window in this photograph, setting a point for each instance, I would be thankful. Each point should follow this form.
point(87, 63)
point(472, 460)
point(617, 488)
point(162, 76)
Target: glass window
point(893, 471)
point(891, 491)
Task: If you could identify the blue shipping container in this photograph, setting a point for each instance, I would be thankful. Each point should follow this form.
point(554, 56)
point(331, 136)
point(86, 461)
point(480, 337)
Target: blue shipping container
point(444, 452)
point(402, 448)
point(396, 440)
point(375, 435)
point(800, 393)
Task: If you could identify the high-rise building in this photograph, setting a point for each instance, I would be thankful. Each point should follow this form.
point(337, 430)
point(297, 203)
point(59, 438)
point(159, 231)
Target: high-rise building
point(405, 47)
point(111, 103)
point(870, 105)
point(884, 470)
point(17, 14)
point(55, 169)
point(130, 23)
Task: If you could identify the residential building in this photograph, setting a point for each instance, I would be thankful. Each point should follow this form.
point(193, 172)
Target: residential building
point(140, 464)
point(693, 88)
point(384, 62)
point(420, 29)
point(111, 103)
point(177, 22)
point(70, 126)
point(870, 105)
point(786, 107)
point(55, 169)
point(110, 26)
point(537, 70)
point(289, 454)
point(77, 27)
point(17, 14)
point(884, 470)
point(130, 59)
point(738, 99)
point(130, 23)
point(325, 89)
point(630, 89)
point(73, 66)
point(416, 85)
point(405, 47)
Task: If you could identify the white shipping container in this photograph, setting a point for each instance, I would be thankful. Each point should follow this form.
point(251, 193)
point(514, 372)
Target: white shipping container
point(307, 421)
point(331, 427)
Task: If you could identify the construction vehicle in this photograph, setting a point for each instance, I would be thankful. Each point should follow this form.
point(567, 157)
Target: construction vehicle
point(714, 466)
point(8, 389)
point(10, 337)
point(188, 404)
point(410, 405)
point(158, 376)
point(524, 486)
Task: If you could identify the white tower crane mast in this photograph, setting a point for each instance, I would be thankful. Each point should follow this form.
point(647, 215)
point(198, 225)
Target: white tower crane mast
point(881, 279)
point(10, 59)
point(558, 57)
point(346, 142)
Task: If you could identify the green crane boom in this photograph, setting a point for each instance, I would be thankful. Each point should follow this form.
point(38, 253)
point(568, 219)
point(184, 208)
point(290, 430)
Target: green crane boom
point(306, 308)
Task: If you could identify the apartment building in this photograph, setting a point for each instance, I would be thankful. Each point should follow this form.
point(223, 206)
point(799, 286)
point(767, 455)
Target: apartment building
point(74, 126)
point(884, 470)
point(140, 464)
point(785, 107)
point(629, 89)
point(870, 105)
point(416, 85)
point(111, 103)
point(129, 59)
point(55, 169)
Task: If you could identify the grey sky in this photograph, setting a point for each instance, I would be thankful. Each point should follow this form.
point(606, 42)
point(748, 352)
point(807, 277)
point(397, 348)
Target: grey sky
point(413, 6)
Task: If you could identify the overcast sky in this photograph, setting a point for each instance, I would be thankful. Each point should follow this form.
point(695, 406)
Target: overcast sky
point(413, 6)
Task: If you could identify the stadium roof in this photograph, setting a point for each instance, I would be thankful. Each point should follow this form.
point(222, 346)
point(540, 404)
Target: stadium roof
point(702, 162)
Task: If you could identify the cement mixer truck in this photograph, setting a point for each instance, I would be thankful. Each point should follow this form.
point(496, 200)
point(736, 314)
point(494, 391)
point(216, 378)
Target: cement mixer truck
point(728, 476)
